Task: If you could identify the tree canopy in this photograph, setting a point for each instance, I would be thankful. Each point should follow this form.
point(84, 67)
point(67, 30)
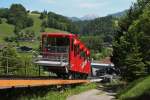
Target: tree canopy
point(131, 48)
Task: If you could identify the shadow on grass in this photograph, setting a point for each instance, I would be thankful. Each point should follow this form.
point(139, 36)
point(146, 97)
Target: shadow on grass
point(145, 96)
point(26, 93)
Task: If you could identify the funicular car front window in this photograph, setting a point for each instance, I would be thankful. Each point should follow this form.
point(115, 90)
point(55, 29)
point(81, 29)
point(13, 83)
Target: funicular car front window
point(53, 41)
point(57, 44)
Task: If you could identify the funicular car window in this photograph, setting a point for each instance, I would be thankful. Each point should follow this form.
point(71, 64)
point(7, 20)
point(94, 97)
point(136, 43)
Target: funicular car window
point(72, 46)
point(78, 49)
point(82, 54)
point(59, 41)
point(75, 50)
point(57, 44)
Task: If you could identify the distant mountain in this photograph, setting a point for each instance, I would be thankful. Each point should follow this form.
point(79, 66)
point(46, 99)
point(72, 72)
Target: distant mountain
point(89, 17)
point(119, 14)
point(74, 19)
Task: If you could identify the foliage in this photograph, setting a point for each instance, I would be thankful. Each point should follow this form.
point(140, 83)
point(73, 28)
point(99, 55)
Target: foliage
point(0, 21)
point(27, 35)
point(40, 22)
point(42, 29)
point(93, 42)
point(8, 55)
point(57, 95)
point(35, 12)
point(19, 20)
point(104, 26)
point(58, 22)
point(17, 15)
point(17, 29)
point(4, 12)
point(43, 15)
point(10, 39)
point(19, 64)
point(5, 30)
point(131, 43)
point(96, 46)
point(136, 90)
point(29, 22)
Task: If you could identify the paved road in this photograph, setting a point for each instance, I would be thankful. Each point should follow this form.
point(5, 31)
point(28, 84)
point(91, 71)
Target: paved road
point(93, 94)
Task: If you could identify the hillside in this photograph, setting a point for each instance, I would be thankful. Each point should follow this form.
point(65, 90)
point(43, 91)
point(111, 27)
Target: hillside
point(37, 24)
point(7, 29)
point(137, 90)
point(102, 26)
point(119, 14)
point(52, 22)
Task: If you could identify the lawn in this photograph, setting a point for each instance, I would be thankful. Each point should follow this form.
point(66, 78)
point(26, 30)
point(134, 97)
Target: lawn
point(59, 95)
point(5, 30)
point(135, 90)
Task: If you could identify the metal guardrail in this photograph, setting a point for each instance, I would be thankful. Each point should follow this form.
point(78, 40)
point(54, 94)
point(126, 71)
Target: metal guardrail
point(54, 57)
point(54, 53)
point(58, 49)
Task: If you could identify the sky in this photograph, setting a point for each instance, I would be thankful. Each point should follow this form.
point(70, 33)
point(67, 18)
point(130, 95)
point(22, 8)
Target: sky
point(73, 8)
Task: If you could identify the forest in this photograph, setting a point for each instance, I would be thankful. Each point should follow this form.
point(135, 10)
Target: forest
point(131, 49)
point(22, 20)
point(20, 27)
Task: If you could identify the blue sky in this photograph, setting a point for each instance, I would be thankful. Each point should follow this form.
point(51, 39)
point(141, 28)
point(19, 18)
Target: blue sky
point(77, 8)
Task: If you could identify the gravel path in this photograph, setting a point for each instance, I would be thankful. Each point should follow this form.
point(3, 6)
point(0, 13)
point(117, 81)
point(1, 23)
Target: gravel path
point(93, 94)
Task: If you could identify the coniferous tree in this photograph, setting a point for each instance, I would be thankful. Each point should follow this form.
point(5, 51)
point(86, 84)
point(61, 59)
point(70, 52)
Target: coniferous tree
point(131, 43)
point(0, 21)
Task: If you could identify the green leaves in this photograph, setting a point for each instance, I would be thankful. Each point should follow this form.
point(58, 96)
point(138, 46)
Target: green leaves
point(131, 44)
point(0, 21)
point(17, 15)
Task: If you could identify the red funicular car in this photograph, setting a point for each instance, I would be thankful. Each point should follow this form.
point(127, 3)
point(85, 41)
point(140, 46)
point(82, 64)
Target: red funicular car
point(65, 55)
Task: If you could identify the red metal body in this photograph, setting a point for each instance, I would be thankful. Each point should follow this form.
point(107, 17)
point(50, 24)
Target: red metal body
point(68, 45)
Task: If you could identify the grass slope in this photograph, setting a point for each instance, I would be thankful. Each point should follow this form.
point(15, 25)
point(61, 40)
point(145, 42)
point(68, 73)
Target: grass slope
point(37, 22)
point(57, 95)
point(37, 25)
point(7, 29)
point(136, 90)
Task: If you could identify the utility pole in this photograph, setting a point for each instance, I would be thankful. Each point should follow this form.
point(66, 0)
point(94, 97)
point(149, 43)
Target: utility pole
point(39, 70)
point(6, 66)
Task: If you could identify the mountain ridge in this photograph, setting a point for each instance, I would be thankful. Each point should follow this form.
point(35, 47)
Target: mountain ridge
point(93, 16)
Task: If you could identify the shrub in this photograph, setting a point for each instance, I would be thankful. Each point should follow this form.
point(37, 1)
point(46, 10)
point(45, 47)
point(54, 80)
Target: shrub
point(0, 21)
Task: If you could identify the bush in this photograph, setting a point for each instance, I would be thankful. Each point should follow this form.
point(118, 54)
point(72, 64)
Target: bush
point(136, 89)
point(29, 22)
point(0, 21)
point(18, 16)
point(35, 12)
point(9, 39)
